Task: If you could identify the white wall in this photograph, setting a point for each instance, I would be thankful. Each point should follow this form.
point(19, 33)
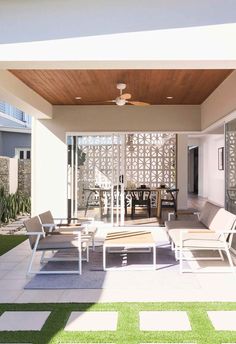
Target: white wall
point(182, 170)
point(127, 118)
point(49, 170)
point(211, 180)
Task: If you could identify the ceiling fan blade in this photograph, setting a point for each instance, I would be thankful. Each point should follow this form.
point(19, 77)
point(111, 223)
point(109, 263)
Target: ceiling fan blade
point(125, 96)
point(137, 103)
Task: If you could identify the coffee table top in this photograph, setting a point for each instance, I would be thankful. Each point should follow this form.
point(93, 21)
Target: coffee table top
point(129, 238)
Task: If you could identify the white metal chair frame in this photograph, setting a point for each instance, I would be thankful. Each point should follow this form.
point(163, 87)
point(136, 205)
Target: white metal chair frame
point(43, 259)
point(85, 227)
point(225, 237)
point(197, 213)
point(83, 237)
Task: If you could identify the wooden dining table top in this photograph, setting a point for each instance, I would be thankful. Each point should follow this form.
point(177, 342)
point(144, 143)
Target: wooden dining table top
point(146, 189)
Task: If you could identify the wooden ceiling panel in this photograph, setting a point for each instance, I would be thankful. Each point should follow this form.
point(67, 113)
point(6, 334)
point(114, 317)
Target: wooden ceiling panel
point(61, 87)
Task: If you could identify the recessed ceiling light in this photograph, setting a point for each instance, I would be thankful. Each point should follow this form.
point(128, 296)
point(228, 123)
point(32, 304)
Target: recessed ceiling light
point(78, 98)
point(169, 97)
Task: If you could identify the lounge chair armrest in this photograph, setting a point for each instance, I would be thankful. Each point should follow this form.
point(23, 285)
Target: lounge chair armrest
point(35, 233)
point(184, 213)
point(50, 226)
point(65, 218)
point(204, 231)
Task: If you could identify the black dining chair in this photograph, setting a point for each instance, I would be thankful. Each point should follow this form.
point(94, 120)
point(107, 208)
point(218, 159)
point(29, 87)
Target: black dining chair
point(141, 198)
point(171, 200)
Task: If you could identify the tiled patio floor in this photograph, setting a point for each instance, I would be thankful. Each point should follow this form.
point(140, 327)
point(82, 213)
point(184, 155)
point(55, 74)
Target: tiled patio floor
point(162, 285)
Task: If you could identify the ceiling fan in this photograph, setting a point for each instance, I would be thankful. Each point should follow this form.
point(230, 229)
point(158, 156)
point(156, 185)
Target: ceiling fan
point(124, 98)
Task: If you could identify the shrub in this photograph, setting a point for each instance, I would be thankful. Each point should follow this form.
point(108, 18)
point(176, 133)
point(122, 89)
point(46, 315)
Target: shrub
point(12, 205)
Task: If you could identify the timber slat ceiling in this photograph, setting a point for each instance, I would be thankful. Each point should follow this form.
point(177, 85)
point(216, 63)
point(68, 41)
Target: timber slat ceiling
point(60, 87)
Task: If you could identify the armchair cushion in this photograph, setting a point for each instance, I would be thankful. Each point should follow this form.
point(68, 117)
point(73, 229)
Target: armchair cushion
point(197, 240)
point(57, 242)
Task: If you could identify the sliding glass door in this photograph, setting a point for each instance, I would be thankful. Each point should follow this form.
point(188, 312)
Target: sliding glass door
point(103, 168)
point(96, 177)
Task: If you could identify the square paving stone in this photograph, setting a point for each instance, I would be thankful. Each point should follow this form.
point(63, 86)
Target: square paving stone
point(223, 320)
point(164, 321)
point(92, 321)
point(23, 321)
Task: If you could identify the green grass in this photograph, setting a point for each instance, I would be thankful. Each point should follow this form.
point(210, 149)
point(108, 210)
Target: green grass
point(128, 324)
point(7, 242)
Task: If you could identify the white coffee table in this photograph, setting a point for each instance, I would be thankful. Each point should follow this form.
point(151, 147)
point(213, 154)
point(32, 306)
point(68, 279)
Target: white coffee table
point(131, 239)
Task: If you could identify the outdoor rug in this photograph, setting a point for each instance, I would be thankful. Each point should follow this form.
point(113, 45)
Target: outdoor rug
point(93, 276)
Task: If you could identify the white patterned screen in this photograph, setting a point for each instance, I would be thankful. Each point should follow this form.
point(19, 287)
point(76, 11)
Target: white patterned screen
point(149, 158)
point(230, 167)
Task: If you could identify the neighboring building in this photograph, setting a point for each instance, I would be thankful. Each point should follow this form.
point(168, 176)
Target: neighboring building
point(15, 132)
point(15, 149)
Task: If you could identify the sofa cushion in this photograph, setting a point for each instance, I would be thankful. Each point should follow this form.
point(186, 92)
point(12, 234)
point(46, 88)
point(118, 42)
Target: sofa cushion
point(184, 224)
point(223, 220)
point(197, 240)
point(208, 213)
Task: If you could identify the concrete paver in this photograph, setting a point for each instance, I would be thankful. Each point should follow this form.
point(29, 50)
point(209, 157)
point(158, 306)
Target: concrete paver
point(92, 321)
point(23, 321)
point(164, 321)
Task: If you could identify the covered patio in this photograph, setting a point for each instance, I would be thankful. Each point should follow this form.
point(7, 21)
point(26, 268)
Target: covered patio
point(118, 113)
point(129, 101)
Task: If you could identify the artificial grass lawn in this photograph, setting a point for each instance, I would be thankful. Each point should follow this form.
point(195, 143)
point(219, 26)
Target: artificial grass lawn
point(128, 324)
point(7, 242)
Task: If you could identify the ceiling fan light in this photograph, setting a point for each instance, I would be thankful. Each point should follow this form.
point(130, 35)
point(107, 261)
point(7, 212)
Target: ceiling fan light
point(120, 101)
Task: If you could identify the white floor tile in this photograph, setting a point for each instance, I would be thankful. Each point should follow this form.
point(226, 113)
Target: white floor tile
point(164, 321)
point(92, 321)
point(23, 321)
point(223, 320)
point(39, 296)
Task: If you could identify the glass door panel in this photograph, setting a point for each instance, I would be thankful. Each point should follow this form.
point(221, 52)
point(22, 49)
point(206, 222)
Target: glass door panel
point(94, 187)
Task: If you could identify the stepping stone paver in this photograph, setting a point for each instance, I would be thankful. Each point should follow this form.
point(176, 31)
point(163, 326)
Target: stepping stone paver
point(92, 321)
point(23, 321)
point(223, 320)
point(164, 321)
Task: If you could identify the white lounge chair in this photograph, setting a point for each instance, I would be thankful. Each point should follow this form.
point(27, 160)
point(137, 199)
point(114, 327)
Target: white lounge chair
point(64, 226)
point(213, 230)
point(39, 241)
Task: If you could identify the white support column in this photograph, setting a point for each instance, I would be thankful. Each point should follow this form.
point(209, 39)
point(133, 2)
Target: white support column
point(49, 169)
point(182, 170)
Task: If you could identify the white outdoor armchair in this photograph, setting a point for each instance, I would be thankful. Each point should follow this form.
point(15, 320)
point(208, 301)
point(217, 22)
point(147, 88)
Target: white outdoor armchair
point(39, 241)
point(63, 226)
point(186, 241)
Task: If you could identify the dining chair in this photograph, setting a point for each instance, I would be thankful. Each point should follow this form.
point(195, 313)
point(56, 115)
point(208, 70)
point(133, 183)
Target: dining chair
point(141, 198)
point(170, 201)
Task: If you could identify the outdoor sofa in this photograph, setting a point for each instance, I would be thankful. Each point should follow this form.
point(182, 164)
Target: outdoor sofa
point(212, 230)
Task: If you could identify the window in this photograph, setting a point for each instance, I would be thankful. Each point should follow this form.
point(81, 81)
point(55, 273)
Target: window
point(23, 153)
